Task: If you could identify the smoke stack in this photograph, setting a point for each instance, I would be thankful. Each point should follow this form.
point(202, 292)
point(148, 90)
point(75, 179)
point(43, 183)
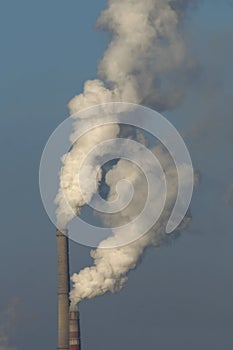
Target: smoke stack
point(74, 327)
point(63, 290)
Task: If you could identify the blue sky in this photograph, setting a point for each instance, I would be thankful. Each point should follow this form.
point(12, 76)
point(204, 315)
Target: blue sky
point(180, 296)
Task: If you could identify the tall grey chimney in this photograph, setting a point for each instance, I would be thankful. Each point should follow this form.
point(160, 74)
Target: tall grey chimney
point(63, 290)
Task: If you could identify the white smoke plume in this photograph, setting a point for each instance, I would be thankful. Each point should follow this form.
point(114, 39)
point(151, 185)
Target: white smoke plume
point(111, 266)
point(147, 59)
point(147, 62)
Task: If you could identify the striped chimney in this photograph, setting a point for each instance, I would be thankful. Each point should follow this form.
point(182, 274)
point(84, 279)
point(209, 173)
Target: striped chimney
point(74, 330)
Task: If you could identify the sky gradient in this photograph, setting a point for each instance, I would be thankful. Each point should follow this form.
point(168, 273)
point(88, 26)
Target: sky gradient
point(180, 296)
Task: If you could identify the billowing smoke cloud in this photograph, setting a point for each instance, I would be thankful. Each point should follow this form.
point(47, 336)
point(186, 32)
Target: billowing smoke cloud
point(147, 62)
point(111, 266)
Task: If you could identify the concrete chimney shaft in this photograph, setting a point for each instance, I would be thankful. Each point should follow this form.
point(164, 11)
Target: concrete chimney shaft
point(63, 290)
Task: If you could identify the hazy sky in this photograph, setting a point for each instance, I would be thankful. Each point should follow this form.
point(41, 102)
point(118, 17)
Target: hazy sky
point(180, 296)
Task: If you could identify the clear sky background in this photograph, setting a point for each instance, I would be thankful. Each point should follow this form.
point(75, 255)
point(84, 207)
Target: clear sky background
point(180, 296)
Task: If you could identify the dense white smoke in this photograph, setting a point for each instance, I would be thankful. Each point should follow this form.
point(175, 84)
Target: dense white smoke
point(111, 266)
point(147, 62)
point(147, 59)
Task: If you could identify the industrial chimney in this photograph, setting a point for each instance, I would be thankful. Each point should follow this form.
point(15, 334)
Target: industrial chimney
point(63, 290)
point(74, 327)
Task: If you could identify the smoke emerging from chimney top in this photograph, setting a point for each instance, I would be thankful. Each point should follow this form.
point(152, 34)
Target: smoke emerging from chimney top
point(147, 62)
